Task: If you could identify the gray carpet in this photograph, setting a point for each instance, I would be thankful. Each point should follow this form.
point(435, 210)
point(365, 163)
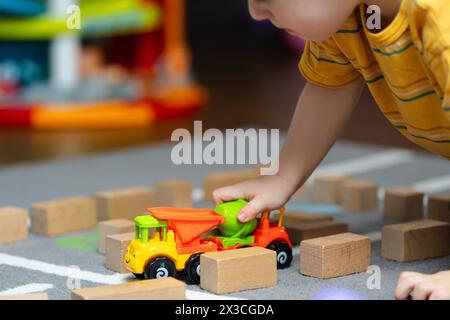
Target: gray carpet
point(46, 259)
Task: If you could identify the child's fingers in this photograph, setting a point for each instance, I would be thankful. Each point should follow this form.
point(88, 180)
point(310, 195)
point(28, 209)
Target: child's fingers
point(422, 290)
point(252, 209)
point(227, 194)
point(406, 283)
point(440, 294)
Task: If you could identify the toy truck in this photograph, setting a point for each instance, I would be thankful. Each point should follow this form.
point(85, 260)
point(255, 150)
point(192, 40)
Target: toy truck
point(177, 242)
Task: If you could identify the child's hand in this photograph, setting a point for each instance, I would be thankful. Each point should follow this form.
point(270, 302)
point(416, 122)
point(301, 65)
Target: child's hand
point(418, 286)
point(265, 193)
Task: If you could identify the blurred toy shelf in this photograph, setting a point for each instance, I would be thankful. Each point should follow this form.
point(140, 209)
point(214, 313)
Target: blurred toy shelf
point(22, 7)
point(149, 33)
point(98, 19)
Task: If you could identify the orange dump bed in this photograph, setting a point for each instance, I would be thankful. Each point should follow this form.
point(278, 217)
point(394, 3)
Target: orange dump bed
point(188, 224)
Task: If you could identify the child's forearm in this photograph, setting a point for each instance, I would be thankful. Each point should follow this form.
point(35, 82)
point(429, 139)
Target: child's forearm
point(320, 115)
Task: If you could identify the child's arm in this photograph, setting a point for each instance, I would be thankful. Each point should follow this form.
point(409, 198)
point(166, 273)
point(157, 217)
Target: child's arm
point(320, 115)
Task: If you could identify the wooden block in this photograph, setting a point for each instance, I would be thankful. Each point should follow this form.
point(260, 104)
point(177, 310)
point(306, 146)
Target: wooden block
point(153, 289)
point(116, 247)
point(112, 227)
point(28, 296)
point(238, 270)
point(294, 221)
point(124, 203)
point(316, 229)
point(439, 207)
point(326, 189)
point(13, 224)
point(422, 239)
point(216, 180)
point(63, 216)
point(359, 195)
point(334, 256)
point(174, 193)
point(403, 204)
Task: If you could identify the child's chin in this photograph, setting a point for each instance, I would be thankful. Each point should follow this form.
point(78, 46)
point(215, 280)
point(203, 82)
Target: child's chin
point(318, 37)
point(293, 33)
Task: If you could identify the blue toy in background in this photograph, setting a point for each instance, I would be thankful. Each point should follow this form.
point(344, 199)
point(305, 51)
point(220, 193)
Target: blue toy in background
point(24, 63)
point(22, 7)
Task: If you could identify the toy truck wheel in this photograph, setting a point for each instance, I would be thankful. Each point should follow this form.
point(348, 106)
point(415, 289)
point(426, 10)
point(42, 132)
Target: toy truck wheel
point(284, 254)
point(193, 269)
point(161, 267)
point(140, 276)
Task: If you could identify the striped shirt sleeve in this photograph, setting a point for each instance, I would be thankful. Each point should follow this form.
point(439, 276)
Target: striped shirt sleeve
point(324, 64)
point(434, 27)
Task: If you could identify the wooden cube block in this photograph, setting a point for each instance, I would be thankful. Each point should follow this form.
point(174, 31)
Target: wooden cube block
point(28, 296)
point(153, 289)
point(216, 180)
point(57, 217)
point(116, 248)
point(439, 207)
point(316, 229)
point(327, 188)
point(359, 195)
point(403, 204)
point(295, 221)
point(13, 224)
point(112, 227)
point(124, 203)
point(334, 256)
point(422, 239)
point(174, 193)
point(238, 270)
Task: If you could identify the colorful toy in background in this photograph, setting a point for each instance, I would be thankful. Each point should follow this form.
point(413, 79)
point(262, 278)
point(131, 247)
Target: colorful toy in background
point(127, 66)
point(179, 239)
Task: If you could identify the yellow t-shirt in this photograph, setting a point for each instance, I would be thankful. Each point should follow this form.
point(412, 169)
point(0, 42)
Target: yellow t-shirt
point(406, 67)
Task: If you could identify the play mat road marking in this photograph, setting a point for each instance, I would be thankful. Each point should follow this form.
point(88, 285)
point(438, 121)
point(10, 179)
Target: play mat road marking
point(371, 162)
point(28, 288)
point(94, 277)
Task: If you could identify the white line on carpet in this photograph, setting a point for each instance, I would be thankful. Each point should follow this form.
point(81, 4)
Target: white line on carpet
point(28, 288)
point(432, 185)
point(197, 195)
point(376, 161)
point(197, 295)
point(58, 270)
point(65, 271)
point(374, 236)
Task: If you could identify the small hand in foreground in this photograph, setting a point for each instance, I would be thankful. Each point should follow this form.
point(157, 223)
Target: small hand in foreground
point(265, 193)
point(418, 286)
